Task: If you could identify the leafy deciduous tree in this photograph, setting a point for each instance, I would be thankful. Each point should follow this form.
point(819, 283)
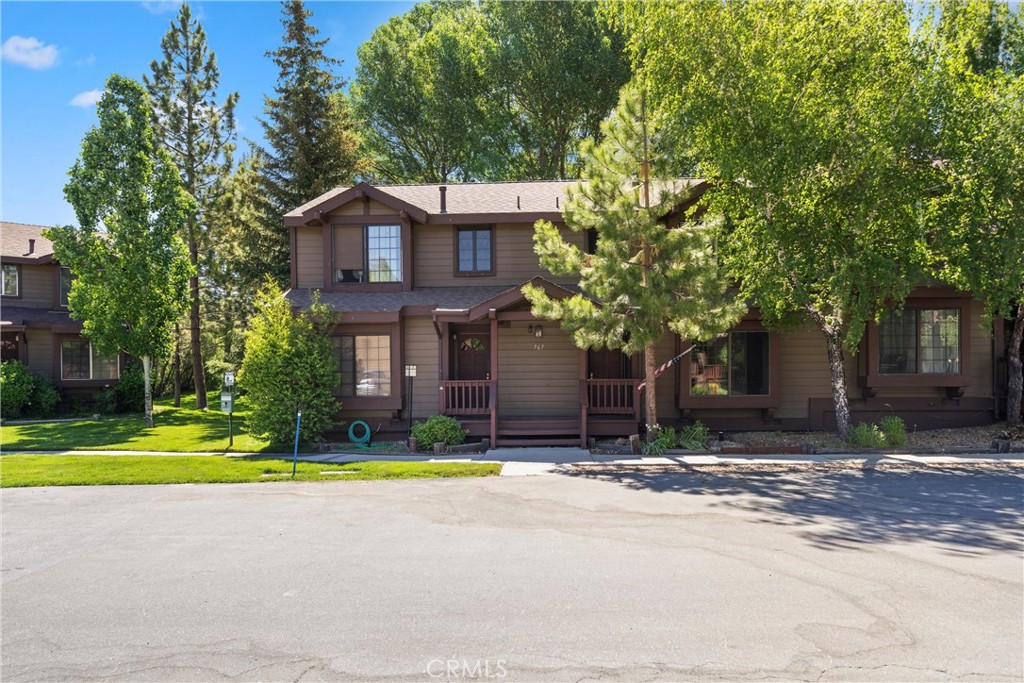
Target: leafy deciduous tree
point(132, 267)
point(643, 275)
point(199, 133)
point(807, 119)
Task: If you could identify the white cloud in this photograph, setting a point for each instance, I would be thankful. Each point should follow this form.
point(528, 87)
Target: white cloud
point(30, 52)
point(86, 99)
point(86, 61)
point(162, 6)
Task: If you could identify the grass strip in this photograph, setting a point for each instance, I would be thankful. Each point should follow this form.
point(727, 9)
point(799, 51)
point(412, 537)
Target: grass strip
point(93, 470)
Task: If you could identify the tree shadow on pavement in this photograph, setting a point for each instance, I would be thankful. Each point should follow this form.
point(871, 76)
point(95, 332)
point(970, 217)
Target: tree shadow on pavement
point(965, 510)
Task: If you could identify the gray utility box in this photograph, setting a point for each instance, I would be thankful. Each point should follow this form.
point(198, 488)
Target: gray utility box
point(227, 401)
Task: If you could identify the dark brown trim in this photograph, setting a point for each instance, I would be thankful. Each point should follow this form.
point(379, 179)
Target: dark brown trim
point(406, 242)
point(477, 218)
point(21, 281)
point(58, 367)
point(367, 317)
point(872, 378)
point(455, 252)
point(764, 401)
point(293, 267)
point(23, 261)
point(405, 235)
point(395, 400)
point(515, 295)
point(360, 191)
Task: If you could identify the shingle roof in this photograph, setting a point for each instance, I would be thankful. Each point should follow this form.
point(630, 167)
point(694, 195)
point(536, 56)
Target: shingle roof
point(458, 298)
point(14, 239)
point(35, 317)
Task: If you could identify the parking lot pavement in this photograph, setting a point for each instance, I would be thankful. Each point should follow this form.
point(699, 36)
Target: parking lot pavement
point(854, 575)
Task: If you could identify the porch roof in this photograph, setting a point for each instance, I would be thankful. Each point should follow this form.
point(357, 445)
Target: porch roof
point(22, 316)
point(434, 299)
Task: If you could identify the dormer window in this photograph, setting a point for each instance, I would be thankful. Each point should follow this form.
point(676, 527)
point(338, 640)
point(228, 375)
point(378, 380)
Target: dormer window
point(367, 254)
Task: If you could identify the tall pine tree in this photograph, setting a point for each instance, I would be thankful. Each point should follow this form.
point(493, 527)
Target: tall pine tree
point(311, 144)
point(643, 276)
point(199, 133)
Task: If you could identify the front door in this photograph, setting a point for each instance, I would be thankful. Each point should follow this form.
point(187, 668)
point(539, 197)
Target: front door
point(9, 347)
point(608, 364)
point(472, 355)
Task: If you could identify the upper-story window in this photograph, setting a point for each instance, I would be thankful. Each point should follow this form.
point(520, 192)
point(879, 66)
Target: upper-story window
point(65, 284)
point(367, 253)
point(11, 281)
point(474, 251)
point(919, 341)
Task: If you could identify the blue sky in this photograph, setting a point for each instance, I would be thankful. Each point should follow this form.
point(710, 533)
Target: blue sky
point(55, 54)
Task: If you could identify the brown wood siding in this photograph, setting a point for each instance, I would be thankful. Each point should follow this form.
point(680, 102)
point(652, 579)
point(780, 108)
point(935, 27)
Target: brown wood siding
point(310, 259)
point(350, 209)
point(36, 287)
point(981, 353)
point(378, 209)
point(803, 364)
point(515, 260)
point(421, 350)
point(40, 352)
point(537, 376)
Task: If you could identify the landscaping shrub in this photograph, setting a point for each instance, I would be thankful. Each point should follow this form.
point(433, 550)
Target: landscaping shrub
point(45, 397)
point(694, 437)
point(894, 430)
point(105, 402)
point(289, 365)
point(663, 439)
point(130, 392)
point(866, 435)
point(438, 428)
point(15, 388)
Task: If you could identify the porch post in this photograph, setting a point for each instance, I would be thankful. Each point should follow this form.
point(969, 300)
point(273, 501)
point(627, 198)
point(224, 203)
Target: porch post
point(584, 398)
point(494, 378)
point(443, 354)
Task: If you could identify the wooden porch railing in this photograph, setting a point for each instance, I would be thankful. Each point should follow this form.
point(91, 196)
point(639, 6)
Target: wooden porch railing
point(466, 397)
point(612, 397)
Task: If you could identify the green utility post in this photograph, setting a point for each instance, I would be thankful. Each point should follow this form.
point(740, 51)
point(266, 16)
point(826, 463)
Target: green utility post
point(227, 404)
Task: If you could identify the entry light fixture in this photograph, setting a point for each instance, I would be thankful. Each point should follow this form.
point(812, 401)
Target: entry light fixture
point(535, 330)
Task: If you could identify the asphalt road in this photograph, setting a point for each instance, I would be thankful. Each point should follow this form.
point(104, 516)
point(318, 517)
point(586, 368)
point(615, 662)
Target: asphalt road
point(832, 576)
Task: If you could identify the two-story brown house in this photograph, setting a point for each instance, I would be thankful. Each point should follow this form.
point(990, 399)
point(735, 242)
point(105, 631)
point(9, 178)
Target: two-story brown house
point(35, 327)
point(427, 279)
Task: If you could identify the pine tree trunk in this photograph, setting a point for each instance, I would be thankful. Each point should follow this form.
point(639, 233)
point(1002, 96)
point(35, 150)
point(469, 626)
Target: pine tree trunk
point(837, 371)
point(650, 396)
point(147, 366)
point(177, 365)
point(1015, 378)
point(198, 372)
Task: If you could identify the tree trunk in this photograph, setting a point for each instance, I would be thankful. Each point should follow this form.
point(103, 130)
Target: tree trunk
point(198, 372)
point(177, 365)
point(147, 366)
point(1015, 380)
point(650, 396)
point(837, 371)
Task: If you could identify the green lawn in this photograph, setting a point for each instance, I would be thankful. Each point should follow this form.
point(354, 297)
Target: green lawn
point(88, 470)
point(180, 430)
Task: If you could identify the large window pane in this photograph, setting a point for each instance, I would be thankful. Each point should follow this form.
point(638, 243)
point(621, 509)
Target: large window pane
point(384, 253)
point(474, 246)
point(65, 284)
point(925, 341)
point(10, 282)
point(365, 365)
point(74, 359)
point(734, 365)
point(103, 367)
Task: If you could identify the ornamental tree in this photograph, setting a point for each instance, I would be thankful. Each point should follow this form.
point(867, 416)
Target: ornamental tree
point(289, 365)
point(976, 221)
point(808, 119)
point(132, 267)
point(644, 275)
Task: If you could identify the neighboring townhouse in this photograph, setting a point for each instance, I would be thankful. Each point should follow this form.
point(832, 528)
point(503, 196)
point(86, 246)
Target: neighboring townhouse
point(427, 279)
point(35, 327)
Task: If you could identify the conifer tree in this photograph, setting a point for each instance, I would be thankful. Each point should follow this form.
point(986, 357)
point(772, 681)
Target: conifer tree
point(199, 133)
point(644, 276)
point(311, 144)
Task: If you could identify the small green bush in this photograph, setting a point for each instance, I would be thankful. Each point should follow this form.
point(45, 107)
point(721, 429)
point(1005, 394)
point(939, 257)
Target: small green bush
point(105, 402)
point(866, 435)
point(44, 399)
point(895, 431)
point(663, 439)
point(438, 428)
point(694, 437)
point(16, 382)
point(130, 392)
